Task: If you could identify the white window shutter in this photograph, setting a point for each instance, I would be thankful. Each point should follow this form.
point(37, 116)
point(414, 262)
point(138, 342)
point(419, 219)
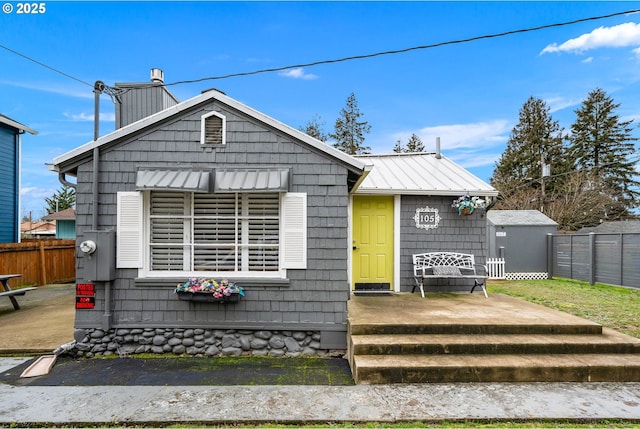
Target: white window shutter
point(129, 234)
point(293, 232)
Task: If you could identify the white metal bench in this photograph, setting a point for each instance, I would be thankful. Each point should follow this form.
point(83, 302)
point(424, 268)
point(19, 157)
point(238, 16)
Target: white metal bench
point(448, 265)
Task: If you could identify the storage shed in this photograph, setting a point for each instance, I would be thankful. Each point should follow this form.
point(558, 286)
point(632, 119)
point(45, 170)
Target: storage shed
point(520, 237)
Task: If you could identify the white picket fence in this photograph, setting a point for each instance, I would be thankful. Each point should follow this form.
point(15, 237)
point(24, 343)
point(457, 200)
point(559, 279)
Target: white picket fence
point(495, 268)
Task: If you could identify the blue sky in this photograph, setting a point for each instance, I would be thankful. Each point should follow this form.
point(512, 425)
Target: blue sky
point(468, 94)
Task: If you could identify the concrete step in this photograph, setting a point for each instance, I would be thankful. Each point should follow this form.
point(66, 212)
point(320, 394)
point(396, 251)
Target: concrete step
point(463, 338)
point(571, 327)
point(609, 342)
point(379, 369)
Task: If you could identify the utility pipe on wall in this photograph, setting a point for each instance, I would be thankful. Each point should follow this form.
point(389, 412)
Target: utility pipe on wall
point(97, 90)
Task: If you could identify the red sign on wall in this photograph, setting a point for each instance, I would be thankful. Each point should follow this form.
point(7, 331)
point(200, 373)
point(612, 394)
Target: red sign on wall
point(85, 296)
point(85, 302)
point(85, 289)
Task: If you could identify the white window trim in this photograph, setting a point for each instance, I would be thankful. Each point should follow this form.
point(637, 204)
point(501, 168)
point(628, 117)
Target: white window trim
point(300, 262)
point(203, 120)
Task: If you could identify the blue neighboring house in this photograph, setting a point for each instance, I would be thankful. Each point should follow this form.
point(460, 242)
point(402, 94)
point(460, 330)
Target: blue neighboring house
point(65, 223)
point(10, 140)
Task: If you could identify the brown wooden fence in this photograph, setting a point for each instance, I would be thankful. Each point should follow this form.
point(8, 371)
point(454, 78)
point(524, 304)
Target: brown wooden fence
point(40, 262)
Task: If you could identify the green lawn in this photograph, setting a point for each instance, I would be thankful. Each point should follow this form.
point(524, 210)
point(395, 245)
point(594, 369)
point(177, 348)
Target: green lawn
point(611, 306)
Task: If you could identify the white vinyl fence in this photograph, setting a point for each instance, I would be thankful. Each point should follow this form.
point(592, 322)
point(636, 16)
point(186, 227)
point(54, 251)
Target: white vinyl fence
point(495, 268)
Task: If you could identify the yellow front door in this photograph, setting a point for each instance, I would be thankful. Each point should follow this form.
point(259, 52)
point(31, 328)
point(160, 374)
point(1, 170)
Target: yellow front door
point(372, 240)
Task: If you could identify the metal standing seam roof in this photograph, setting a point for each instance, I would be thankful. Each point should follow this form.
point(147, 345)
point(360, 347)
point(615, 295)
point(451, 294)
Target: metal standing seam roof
point(224, 180)
point(251, 180)
point(420, 174)
point(173, 180)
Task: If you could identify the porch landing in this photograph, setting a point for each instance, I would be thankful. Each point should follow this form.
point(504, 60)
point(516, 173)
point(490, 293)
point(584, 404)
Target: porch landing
point(403, 338)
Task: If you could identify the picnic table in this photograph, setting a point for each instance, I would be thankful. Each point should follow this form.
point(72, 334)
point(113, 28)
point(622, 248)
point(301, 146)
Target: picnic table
point(12, 293)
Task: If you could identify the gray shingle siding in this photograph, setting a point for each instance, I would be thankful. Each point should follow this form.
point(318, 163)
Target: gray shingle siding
point(455, 233)
point(313, 299)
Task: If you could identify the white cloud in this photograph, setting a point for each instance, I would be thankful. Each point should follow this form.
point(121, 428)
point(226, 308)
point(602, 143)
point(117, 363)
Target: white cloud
point(559, 103)
point(35, 192)
point(618, 36)
point(298, 73)
point(588, 60)
point(477, 144)
point(478, 135)
point(83, 117)
point(473, 159)
point(633, 117)
point(76, 92)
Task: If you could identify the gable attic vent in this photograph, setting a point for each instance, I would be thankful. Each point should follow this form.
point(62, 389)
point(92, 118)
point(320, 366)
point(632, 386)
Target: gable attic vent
point(213, 129)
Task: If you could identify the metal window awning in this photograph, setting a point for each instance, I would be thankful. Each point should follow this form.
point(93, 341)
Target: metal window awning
point(184, 180)
point(251, 180)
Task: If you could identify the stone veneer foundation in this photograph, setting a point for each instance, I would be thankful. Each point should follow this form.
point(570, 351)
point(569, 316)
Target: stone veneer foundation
point(197, 342)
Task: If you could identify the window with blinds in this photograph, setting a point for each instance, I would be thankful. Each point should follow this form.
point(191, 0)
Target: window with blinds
point(214, 232)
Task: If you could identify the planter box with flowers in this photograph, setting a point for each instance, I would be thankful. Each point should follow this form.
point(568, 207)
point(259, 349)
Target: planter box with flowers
point(467, 205)
point(209, 290)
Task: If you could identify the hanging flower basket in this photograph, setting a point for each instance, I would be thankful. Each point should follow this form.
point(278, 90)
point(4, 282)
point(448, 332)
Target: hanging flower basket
point(208, 290)
point(467, 205)
point(465, 211)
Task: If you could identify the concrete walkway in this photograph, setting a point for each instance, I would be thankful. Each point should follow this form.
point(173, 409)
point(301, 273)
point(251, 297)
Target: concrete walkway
point(44, 321)
point(50, 322)
point(316, 404)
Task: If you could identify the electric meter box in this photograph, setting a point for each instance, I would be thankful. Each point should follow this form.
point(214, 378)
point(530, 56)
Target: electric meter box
point(98, 249)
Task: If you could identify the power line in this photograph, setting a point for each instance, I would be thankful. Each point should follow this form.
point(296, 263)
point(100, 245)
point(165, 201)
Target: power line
point(575, 171)
point(46, 66)
point(400, 51)
point(350, 58)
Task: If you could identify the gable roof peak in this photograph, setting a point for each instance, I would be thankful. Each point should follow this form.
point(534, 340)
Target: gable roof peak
point(203, 98)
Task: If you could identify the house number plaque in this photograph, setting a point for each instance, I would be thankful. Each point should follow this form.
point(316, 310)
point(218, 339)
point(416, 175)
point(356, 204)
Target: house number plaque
point(427, 218)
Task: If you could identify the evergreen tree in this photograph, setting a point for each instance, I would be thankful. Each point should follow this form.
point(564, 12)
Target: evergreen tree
point(314, 128)
point(349, 130)
point(62, 199)
point(414, 144)
point(602, 144)
point(535, 141)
